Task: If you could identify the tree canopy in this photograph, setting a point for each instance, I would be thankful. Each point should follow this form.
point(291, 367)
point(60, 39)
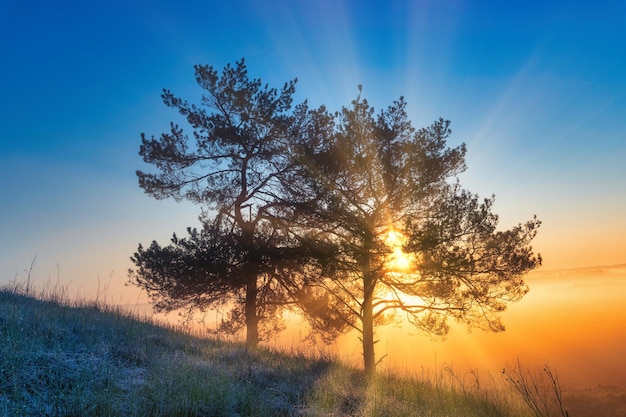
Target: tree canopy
point(232, 166)
point(353, 216)
point(410, 238)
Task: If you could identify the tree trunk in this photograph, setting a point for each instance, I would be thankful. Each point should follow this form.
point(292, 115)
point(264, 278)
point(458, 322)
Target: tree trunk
point(369, 357)
point(252, 320)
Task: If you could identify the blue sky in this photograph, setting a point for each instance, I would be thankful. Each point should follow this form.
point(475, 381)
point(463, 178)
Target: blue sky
point(537, 91)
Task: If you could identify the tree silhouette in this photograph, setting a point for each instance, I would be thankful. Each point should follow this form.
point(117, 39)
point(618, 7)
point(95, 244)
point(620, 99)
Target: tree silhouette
point(381, 190)
point(207, 269)
point(232, 166)
point(353, 217)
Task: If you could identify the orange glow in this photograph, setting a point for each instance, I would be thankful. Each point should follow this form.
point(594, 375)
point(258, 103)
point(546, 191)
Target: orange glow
point(572, 320)
point(398, 260)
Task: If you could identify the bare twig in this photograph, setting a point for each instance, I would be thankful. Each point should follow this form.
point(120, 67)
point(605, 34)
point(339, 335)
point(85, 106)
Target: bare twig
point(29, 274)
point(540, 391)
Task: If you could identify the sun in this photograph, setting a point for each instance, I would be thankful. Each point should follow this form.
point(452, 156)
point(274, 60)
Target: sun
point(398, 260)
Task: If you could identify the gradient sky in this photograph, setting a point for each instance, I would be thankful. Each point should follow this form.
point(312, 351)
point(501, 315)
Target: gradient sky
point(537, 91)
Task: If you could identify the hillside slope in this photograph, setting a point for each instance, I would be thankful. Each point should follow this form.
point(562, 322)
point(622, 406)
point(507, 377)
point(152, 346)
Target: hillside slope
point(63, 359)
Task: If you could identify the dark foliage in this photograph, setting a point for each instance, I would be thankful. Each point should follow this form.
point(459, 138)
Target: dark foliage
point(374, 177)
point(308, 208)
point(233, 166)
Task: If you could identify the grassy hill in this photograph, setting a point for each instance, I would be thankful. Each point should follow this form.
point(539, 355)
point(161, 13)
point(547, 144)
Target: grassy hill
point(59, 358)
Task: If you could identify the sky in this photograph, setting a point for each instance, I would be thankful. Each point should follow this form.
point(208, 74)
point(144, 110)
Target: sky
point(536, 90)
